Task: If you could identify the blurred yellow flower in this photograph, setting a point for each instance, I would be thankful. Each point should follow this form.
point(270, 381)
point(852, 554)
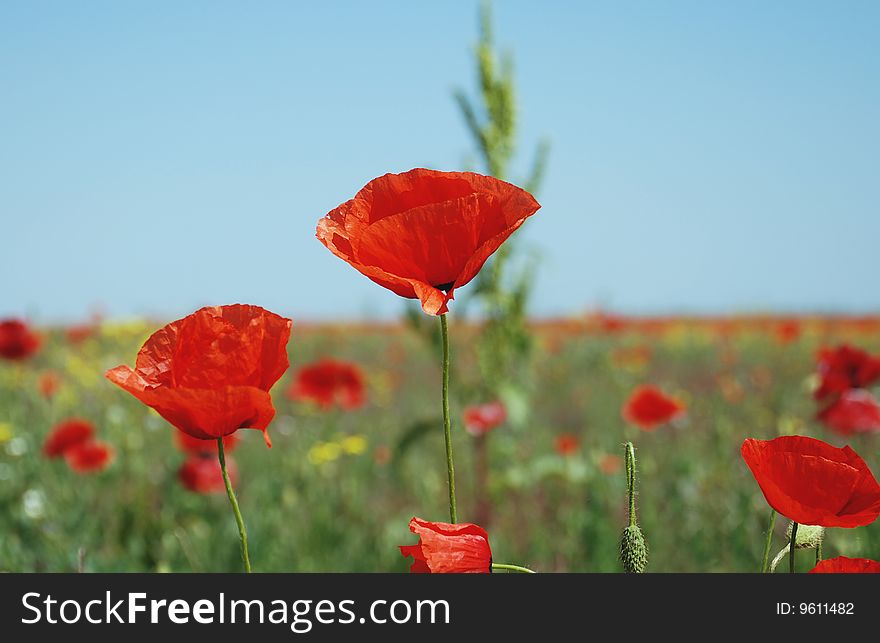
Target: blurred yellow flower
point(5, 432)
point(324, 452)
point(354, 444)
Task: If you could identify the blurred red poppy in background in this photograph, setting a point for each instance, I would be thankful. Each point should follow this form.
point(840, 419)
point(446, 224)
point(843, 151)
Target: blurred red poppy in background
point(855, 411)
point(48, 384)
point(844, 565)
point(66, 435)
point(189, 444)
point(88, 457)
point(424, 233)
point(482, 418)
point(843, 368)
point(814, 483)
point(444, 548)
point(329, 383)
point(17, 340)
point(648, 408)
point(566, 444)
point(788, 331)
point(209, 374)
point(80, 332)
point(201, 473)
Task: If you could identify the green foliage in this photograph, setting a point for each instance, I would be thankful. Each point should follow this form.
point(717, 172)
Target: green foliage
point(502, 288)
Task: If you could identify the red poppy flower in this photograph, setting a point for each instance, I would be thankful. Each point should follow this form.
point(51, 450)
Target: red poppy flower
point(844, 565)
point(209, 374)
point(482, 418)
point(189, 444)
point(788, 331)
point(566, 444)
point(424, 233)
point(88, 457)
point(856, 411)
point(814, 483)
point(448, 549)
point(648, 408)
point(328, 383)
point(844, 368)
point(17, 341)
point(80, 332)
point(66, 435)
point(48, 384)
point(201, 473)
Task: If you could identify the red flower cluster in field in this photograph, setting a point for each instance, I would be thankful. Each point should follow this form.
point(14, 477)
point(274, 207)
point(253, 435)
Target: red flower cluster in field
point(424, 233)
point(329, 383)
point(74, 440)
point(814, 483)
point(845, 373)
point(648, 408)
point(444, 548)
point(482, 418)
point(17, 340)
point(209, 374)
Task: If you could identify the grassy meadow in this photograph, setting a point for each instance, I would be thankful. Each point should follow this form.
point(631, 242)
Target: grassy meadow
point(336, 491)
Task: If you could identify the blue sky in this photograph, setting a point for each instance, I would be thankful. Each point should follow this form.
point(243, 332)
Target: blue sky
point(706, 156)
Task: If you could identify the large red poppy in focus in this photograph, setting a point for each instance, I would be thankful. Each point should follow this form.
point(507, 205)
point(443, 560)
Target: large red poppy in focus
point(844, 565)
point(328, 383)
point(17, 340)
point(424, 233)
point(209, 374)
point(648, 408)
point(444, 548)
point(843, 368)
point(814, 483)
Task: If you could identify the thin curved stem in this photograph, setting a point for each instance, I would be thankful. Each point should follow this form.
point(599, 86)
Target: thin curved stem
point(513, 568)
point(791, 546)
point(769, 541)
point(819, 552)
point(242, 532)
point(447, 424)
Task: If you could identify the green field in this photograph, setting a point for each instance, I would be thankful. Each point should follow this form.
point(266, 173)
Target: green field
point(320, 500)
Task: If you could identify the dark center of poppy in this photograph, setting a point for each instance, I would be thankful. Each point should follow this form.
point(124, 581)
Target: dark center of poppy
point(445, 287)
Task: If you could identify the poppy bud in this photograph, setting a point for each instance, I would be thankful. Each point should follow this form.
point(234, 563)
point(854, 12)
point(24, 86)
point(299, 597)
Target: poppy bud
point(808, 536)
point(633, 550)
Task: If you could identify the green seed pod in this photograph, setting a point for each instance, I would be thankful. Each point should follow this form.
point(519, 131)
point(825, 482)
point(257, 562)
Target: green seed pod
point(633, 550)
point(808, 536)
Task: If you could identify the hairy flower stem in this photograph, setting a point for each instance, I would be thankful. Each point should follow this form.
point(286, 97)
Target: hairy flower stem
point(631, 481)
point(769, 542)
point(512, 568)
point(819, 552)
point(447, 424)
point(794, 528)
point(242, 532)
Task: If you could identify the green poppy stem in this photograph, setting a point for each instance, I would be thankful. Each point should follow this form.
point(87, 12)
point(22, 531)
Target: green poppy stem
point(819, 552)
point(447, 424)
point(512, 568)
point(794, 528)
point(765, 560)
point(242, 532)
